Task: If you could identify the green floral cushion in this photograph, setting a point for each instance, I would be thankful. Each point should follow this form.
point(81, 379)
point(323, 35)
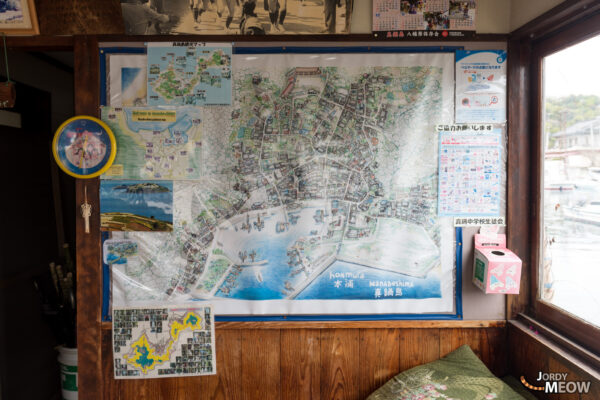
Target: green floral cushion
point(458, 376)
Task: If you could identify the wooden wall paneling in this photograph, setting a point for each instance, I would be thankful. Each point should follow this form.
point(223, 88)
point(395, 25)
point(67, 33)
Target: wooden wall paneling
point(88, 254)
point(418, 346)
point(556, 366)
point(306, 363)
point(260, 364)
point(527, 357)
point(594, 392)
point(223, 385)
point(446, 341)
point(493, 348)
point(300, 364)
point(488, 344)
point(226, 383)
point(110, 385)
point(532, 352)
point(339, 364)
point(471, 337)
point(402, 324)
point(379, 355)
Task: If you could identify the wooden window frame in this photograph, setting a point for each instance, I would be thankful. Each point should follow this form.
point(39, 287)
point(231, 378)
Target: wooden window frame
point(562, 321)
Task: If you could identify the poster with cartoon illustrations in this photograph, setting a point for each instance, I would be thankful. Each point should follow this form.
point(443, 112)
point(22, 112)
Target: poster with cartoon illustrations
point(480, 86)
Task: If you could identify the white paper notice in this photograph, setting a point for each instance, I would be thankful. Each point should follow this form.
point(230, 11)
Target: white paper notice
point(469, 170)
point(480, 86)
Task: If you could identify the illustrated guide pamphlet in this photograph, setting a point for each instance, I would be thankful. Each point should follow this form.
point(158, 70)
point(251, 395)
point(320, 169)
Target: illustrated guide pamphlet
point(163, 341)
point(480, 86)
point(469, 170)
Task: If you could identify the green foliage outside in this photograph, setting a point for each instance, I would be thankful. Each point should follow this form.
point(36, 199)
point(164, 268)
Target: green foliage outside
point(562, 112)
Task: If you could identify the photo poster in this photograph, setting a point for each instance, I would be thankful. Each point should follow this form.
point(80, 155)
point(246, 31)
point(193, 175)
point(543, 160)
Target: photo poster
point(163, 341)
point(232, 17)
point(480, 86)
point(424, 19)
point(136, 205)
point(470, 171)
point(327, 212)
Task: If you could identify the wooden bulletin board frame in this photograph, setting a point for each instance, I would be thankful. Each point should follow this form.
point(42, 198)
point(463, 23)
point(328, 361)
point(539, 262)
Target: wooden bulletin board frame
point(95, 356)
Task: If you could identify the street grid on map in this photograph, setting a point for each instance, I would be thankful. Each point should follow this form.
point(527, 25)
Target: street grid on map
point(338, 162)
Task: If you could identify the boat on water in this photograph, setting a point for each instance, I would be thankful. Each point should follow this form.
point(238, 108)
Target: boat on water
point(560, 186)
point(588, 213)
point(258, 276)
point(253, 263)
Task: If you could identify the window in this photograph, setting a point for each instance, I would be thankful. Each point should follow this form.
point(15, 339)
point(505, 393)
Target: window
point(570, 271)
point(567, 96)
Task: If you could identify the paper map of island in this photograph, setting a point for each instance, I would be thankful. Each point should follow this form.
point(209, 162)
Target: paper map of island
point(160, 342)
point(190, 73)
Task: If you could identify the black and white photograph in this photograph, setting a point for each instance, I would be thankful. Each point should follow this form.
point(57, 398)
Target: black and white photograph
point(233, 17)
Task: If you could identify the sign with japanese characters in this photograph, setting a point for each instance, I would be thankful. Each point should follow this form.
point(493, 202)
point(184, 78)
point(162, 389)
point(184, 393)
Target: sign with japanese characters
point(424, 19)
point(469, 170)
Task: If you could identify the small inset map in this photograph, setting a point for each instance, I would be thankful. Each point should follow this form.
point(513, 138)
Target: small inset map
point(189, 73)
point(163, 342)
point(155, 143)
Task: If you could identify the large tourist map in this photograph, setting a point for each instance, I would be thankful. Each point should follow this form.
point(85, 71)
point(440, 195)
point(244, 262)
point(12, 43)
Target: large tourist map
point(161, 341)
point(317, 194)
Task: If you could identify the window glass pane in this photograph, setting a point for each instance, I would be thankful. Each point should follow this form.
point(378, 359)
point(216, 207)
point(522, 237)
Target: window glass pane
point(570, 270)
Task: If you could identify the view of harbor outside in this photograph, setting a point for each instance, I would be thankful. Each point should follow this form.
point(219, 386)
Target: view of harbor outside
point(570, 270)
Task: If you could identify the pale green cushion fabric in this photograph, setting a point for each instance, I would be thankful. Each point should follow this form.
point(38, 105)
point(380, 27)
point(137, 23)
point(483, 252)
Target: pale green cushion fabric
point(459, 376)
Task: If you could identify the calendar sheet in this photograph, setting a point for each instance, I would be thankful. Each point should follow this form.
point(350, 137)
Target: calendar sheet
point(414, 19)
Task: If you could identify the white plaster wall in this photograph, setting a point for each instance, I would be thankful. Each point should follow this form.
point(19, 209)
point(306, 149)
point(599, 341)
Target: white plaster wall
point(523, 11)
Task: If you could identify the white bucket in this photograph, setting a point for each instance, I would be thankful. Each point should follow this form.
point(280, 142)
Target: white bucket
point(67, 360)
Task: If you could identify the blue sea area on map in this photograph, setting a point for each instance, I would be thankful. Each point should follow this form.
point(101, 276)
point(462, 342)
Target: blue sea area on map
point(128, 75)
point(274, 273)
point(179, 128)
point(333, 284)
point(268, 277)
point(143, 359)
point(156, 205)
point(112, 258)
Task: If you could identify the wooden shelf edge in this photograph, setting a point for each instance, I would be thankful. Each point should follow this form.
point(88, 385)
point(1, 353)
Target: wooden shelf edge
point(40, 43)
point(353, 37)
point(426, 324)
point(545, 338)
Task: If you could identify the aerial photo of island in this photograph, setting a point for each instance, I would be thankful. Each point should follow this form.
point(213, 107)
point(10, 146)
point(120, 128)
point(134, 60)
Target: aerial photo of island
point(136, 205)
